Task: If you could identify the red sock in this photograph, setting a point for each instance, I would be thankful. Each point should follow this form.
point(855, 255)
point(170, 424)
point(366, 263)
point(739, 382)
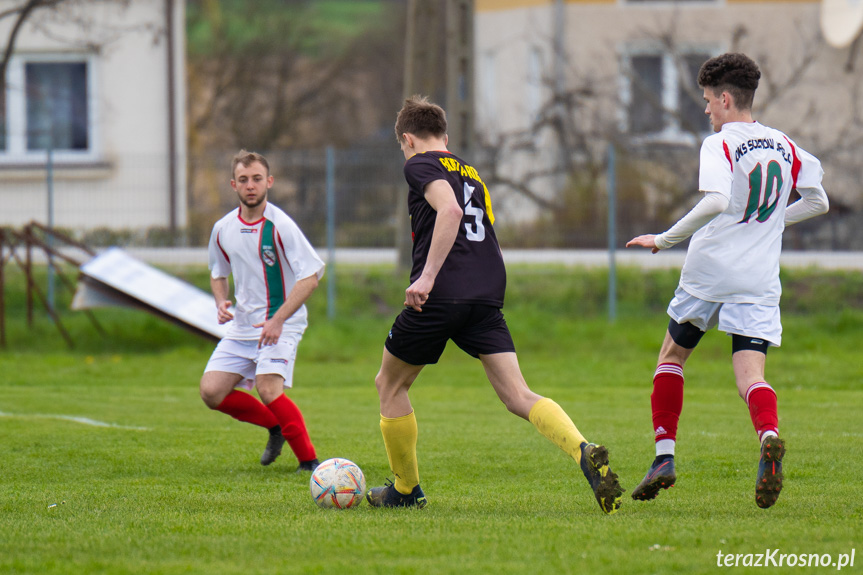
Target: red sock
point(293, 427)
point(244, 407)
point(761, 400)
point(667, 400)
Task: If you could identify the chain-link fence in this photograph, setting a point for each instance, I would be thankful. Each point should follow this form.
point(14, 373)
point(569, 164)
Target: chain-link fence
point(128, 202)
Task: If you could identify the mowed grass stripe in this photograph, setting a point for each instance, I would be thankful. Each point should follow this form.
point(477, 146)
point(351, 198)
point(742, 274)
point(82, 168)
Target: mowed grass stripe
point(189, 496)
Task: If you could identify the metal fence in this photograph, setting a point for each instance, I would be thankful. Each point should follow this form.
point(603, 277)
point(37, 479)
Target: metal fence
point(367, 207)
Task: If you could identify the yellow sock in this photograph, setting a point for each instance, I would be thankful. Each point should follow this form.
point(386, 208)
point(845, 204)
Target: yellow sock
point(400, 440)
point(553, 422)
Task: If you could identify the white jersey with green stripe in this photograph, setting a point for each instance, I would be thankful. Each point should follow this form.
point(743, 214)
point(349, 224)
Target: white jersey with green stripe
point(735, 257)
point(266, 259)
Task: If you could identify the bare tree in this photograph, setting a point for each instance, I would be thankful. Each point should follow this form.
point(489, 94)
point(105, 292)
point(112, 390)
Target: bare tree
point(19, 14)
point(82, 23)
point(656, 177)
point(288, 86)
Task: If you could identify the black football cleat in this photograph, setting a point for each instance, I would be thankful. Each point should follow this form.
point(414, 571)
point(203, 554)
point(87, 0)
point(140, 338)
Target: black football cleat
point(389, 496)
point(307, 466)
point(603, 481)
point(273, 448)
point(661, 475)
point(769, 482)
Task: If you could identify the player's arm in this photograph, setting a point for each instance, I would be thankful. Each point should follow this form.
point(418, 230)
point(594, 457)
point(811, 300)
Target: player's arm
point(220, 289)
point(439, 195)
point(710, 206)
point(220, 269)
point(813, 202)
point(272, 328)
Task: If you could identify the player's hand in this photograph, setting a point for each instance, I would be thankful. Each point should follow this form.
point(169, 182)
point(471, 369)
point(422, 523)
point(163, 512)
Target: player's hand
point(645, 241)
point(223, 312)
point(271, 333)
point(417, 293)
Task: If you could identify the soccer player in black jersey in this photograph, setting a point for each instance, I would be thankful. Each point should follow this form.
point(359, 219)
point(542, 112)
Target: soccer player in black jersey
point(457, 289)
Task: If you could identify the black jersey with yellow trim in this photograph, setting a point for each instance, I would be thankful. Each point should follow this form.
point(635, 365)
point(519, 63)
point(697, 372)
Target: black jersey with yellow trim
point(474, 271)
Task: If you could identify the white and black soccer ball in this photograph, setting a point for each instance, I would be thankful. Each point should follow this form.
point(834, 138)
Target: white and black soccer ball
point(337, 484)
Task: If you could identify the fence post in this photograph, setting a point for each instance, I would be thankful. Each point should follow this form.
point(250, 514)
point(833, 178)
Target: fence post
point(612, 235)
point(49, 181)
point(331, 233)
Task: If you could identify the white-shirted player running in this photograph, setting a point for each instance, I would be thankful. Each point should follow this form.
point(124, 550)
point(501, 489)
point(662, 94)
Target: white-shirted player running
point(730, 277)
point(275, 270)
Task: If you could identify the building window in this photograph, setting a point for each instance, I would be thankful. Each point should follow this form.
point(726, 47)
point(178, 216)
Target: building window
point(690, 100)
point(661, 95)
point(49, 106)
point(56, 96)
point(645, 105)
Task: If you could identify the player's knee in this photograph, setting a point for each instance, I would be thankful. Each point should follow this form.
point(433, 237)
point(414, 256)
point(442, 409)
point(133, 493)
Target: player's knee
point(211, 394)
point(270, 393)
point(385, 385)
point(210, 400)
point(389, 386)
point(685, 334)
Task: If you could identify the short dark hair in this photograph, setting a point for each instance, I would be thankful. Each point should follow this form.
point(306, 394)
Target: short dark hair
point(247, 159)
point(421, 118)
point(736, 74)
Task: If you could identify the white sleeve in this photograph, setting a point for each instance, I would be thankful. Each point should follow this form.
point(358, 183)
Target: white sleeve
point(299, 253)
point(810, 171)
point(812, 202)
point(219, 264)
point(710, 206)
point(714, 170)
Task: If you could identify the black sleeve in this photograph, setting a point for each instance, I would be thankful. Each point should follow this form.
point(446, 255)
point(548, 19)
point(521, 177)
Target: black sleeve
point(421, 170)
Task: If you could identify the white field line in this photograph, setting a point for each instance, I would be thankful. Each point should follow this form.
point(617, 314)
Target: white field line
point(639, 258)
point(84, 420)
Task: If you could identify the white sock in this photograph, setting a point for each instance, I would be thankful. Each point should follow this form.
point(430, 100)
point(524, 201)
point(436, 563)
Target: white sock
point(665, 447)
point(767, 434)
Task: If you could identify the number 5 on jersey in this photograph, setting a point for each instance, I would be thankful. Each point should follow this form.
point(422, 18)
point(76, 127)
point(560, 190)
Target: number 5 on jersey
point(475, 231)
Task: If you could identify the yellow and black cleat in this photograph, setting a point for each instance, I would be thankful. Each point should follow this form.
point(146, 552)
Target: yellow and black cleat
point(389, 496)
point(603, 481)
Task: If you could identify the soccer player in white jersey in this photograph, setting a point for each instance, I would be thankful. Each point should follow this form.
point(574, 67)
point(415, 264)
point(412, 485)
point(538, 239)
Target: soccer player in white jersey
point(730, 277)
point(275, 270)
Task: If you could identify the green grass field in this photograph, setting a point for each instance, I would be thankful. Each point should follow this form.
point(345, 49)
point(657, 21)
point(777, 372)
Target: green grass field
point(167, 486)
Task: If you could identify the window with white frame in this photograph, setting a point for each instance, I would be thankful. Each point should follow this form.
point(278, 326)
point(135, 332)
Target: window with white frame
point(49, 106)
point(661, 95)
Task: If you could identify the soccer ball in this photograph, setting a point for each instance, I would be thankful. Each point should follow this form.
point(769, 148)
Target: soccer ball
point(337, 483)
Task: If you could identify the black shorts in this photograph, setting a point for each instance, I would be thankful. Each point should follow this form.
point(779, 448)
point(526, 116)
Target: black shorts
point(419, 338)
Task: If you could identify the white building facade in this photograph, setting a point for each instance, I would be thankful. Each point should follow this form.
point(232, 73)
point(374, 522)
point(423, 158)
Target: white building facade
point(97, 87)
point(629, 70)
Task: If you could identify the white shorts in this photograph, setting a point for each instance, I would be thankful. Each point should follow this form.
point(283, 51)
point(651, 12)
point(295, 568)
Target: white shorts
point(747, 319)
point(244, 358)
